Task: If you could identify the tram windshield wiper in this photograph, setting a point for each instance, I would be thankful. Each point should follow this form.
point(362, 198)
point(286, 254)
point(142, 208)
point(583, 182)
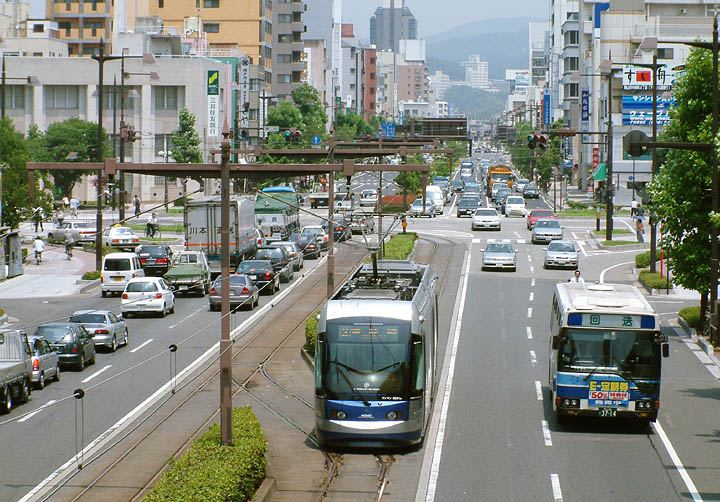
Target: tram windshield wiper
point(339, 371)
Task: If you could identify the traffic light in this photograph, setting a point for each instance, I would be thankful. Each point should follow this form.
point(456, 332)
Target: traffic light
point(296, 135)
point(542, 142)
point(632, 143)
point(532, 142)
point(288, 136)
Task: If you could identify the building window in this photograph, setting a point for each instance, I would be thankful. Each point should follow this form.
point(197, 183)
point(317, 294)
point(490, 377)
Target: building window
point(253, 114)
point(211, 4)
point(571, 64)
point(211, 27)
point(254, 84)
point(38, 28)
point(161, 4)
point(285, 18)
point(285, 38)
point(14, 97)
point(162, 141)
point(571, 38)
point(284, 58)
point(571, 91)
point(666, 53)
point(283, 78)
point(166, 97)
point(61, 97)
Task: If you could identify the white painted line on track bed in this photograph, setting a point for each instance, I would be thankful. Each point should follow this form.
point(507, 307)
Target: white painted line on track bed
point(678, 463)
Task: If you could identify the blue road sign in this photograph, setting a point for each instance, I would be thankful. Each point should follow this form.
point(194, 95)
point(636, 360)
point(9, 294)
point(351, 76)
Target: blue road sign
point(316, 140)
point(388, 129)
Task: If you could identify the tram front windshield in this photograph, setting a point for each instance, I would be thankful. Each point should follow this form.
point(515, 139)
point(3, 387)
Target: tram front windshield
point(367, 360)
point(634, 353)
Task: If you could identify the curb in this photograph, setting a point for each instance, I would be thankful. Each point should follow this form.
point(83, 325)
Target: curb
point(639, 245)
point(88, 285)
point(309, 360)
point(688, 330)
point(266, 491)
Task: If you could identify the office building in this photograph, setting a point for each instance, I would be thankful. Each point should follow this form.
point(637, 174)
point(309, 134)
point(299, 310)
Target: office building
point(476, 72)
point(82, 25)
point(289, 69)
point(391, 23)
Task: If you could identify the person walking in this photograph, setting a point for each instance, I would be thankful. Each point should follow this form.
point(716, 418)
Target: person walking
point(576, 278)
point(65, 202)
point(136, 204)
point(60, 217)
point(74, 206)
point(633, 207)
point(38, 215)
point(38, 247)
point(639, 228)
point(151, 227)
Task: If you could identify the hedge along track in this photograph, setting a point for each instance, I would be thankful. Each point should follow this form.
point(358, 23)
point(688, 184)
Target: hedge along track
point(337, 464)
point(246, 343)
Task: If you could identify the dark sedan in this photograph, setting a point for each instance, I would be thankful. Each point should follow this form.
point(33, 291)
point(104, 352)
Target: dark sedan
point(531, 191)
point(467, 206)
point(244, 292)
point(307, 245)
point(280, 259)
point(154, 259)
point(262, 273)
point(71, 341)
point(342, 229)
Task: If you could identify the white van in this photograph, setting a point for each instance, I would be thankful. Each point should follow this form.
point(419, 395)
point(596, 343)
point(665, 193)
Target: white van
point(435, 194)
point(117, 270)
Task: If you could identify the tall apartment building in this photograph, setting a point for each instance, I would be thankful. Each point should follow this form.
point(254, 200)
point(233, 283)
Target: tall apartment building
point(288, 62)
point(537, 56)
point(392, 22)
point(370, 100)
point(563, 44)
point(82, 24)
point(413, 82)
point(476, 72)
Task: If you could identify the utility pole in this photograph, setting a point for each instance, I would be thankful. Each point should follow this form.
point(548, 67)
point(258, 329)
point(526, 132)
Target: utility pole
point(715, 181)
point(123, 133)
point(331, 221)
point(381, 243)
point(225, 344)
point(609, 184)
point(654, 165)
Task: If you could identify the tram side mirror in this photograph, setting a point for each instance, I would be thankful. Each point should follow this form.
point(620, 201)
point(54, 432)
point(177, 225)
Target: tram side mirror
point(666, 350)
point(555, 342)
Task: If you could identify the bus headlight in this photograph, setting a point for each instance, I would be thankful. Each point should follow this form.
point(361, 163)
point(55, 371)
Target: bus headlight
point(339, 414)
point(394, 415)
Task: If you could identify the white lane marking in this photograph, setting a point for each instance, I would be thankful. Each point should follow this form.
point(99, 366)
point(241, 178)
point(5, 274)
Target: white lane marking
point(714, 370)
point(528, 330)
point(117, 428)
point(518, 234)
point(557, 492)
point(529, 258)
point(99, 372)
point(664, 301)
point(204, 307)
point(532, 296)
point(546, 433)
point(141, 345)
point(437, 453)
point(676, 460)
point(521, 241)
point(33, 413)
point(602, 274)
point(532, 282)
point(538, 390)
point(582, 248)
point(532, 269)
point(529, 312)
point(476, 241)
point(533, 358)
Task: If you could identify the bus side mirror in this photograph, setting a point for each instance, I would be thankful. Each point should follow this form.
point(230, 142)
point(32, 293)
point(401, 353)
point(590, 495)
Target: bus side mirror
point(555, 342)
point(666, 350)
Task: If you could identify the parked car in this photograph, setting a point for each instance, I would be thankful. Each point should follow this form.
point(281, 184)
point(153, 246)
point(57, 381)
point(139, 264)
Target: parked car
point(82, 231)
point(318, 233)
point(561, 254)
point(15, 368)
point(262, 273)
point(546, 230)
point(281, 261)
point(531, 191)
point(244, 292)
point(368, 197)
point(189, 271)
point(295, 253)
point(107, 329)
point(499, 255)
point(417, 211)
point(45, 362)
point(120, 238)
point(147, 294)
point(117, 270)
point(467, 206)
point(361, 222)
point(485, 218)
point(154, 258)
point(535, 214)
point(73, 344)
point(515, 206)
point(307, 245)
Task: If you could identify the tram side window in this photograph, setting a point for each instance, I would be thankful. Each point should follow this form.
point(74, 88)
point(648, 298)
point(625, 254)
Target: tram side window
point(418, 358)
point(319, 350)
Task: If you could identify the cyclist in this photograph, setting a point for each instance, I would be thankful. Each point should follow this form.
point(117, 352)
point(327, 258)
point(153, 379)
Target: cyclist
point(152, 225)
point(69, 243)
point(39, 247)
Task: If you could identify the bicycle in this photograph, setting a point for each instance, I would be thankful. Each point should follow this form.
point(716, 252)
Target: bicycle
point(150, 234)
point(68, 251)
point(38, 257)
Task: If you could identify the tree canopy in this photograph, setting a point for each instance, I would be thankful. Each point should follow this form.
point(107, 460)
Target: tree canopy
point(185, 140)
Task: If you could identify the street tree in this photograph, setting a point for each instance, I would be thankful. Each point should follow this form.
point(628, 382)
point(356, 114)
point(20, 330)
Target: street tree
point(285, 116)
point(72, 140)
point(185, 140)
point(679, 191)
point(307, 100)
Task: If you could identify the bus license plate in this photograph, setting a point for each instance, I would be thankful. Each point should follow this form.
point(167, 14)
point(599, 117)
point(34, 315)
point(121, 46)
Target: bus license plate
point(607, 412)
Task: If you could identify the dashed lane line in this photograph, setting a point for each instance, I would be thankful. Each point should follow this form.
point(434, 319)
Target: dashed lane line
point(533, 358)
point(546, 433)
point(33, 413)
point(532, 282)
point(557, 492)
point(529, 312)
point(141, 345)
point(532, 296)
point(532, 269)
point(97, 373)
point(538, 390)
point(188, 317)
point(528, 330)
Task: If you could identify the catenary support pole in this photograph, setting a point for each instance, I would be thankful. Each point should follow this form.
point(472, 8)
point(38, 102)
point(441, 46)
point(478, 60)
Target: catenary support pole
point(225, 344)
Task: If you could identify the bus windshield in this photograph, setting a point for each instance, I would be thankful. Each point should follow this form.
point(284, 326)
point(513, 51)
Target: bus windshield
point(632, 353)
point(500, 177)
point(367, 360)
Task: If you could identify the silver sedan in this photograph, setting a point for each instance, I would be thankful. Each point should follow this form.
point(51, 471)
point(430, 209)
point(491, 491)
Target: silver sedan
point(561, 254)
point(499, 255)
point(243, 292)
point(107, 329)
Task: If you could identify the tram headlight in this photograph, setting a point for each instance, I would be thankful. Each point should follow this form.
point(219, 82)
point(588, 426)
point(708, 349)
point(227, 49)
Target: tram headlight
point(339, 414)
point(394, 415)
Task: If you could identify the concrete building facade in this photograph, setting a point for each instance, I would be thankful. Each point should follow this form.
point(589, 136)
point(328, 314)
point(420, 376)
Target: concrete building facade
point(289, 65)
point(82, 24)
point(476, 72)
point(392, 22)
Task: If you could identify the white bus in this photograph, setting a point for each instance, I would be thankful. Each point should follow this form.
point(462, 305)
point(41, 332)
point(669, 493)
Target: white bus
point(605, 352)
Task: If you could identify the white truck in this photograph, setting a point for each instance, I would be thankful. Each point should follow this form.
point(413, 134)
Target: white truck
point(202, 229)
point(15, 369)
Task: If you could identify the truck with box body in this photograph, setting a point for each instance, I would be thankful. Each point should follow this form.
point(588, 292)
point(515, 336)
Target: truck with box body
point(202, 229)
point(15, 368)
point(499, 172)
point(277, 214)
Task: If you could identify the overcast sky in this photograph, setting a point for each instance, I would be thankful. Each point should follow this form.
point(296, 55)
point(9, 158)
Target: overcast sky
point(435, 16)
point(432, 16)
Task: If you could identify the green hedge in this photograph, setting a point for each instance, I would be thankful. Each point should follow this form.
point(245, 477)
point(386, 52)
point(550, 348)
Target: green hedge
point(642, 260)
point(25, 252)
point(652, 280)
point(574, 204)
point(692, 317)
point(311, 333)
point(393, 209)
point(91, 276)
point(214, 473)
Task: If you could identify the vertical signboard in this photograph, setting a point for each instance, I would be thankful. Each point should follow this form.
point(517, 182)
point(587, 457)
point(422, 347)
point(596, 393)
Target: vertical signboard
point(546, 110)
point(244, 92)
point(585, 113)
point(213, 95)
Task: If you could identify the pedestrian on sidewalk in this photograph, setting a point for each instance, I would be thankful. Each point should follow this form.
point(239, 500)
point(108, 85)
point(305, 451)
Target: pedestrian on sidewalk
point(38, 215)
point(65, 202)
point(74, 206)
point(136, 204)
point(639, 228)
point(60, 217)
point(633, 207)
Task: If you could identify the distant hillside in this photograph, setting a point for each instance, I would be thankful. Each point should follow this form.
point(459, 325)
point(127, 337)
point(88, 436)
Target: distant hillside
point(502, 42)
